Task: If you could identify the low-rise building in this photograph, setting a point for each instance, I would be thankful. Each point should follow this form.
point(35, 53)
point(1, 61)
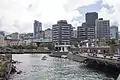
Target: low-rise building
point(24, 36)
point(15, 36)
point(48, 34)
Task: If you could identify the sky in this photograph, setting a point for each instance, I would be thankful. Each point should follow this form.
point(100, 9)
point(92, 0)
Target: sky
point(19, 15)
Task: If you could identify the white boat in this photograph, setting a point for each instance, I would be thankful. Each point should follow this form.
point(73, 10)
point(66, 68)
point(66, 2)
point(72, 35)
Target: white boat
point(63, 56)
point(44, 58)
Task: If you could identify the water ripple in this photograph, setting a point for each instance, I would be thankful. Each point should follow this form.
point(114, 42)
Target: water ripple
point(54, 69)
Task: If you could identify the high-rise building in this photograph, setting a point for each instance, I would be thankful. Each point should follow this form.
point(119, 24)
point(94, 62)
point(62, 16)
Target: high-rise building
point(102, 29)
point(62, 32)
point(37, 29)
point(48, 34)
point(114, 32)
point(90, 22)
point(90, 18)
point(87, 30)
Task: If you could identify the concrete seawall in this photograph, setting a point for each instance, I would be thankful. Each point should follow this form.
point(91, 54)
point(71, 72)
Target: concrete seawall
point(104, 65)
point(77, 58)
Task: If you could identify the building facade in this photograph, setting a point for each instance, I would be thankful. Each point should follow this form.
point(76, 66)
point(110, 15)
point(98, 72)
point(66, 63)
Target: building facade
point(82, 32)
point(90, 22)
point(37, 29)
point(85, 33)
point(74, 33)
point(2, 41)
point(114, 32)
point(102, 29)
point(41, 35)
point(62, 32)
point(90, 18)
point(15, 36)
point(48, 34)
point(25, 36)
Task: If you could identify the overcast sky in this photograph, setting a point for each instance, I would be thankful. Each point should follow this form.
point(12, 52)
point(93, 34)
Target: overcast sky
point(18, 15)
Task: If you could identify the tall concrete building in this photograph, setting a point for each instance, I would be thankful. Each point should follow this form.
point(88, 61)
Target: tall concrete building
point(37, 29)
point(48, 34)
point(114, 32)
point(62, 32)
point(90, 22)
point(90, 18)
point(102, 29)
point(87, 30)
point(84, 32)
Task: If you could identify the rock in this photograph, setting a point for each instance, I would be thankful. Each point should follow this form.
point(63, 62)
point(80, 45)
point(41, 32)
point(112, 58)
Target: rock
point(13, 69)
point(14, 62)
point(19, 72)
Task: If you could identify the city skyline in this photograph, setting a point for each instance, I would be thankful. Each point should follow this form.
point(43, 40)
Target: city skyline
point(19, 15)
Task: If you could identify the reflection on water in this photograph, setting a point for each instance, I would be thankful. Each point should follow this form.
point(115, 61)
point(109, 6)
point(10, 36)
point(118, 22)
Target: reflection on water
point(53, 69)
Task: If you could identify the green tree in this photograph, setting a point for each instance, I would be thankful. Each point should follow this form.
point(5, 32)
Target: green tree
point(50, 46)
point(111, 43)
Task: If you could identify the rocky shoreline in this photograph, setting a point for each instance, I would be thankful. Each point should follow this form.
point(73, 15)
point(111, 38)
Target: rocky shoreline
point(7, 67)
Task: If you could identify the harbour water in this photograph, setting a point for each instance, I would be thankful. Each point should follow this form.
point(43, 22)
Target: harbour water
point(33, 68)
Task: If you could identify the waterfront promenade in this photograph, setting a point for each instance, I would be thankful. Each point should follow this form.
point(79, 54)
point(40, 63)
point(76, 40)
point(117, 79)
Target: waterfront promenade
point(98, 61)
point(99, 58)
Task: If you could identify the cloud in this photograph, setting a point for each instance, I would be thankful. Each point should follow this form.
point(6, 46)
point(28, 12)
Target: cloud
point(26, 11)
point(107, 9)
point(93, 6)
point(18, 15)
point(112, 12)
point(73, 4)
